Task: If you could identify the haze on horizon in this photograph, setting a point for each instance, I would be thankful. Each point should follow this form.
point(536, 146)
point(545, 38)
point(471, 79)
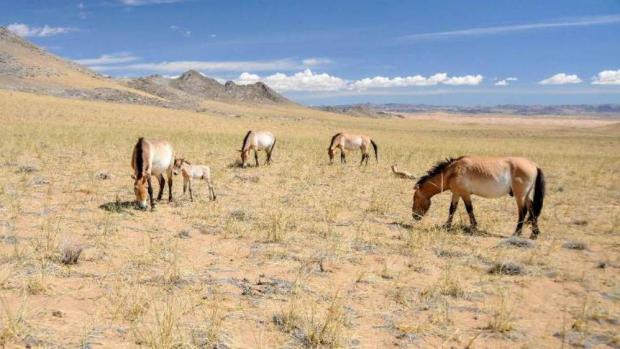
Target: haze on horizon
point(449, 53)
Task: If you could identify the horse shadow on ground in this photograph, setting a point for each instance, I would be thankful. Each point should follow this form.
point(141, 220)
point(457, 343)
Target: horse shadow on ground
point(118, 206)
point(455, 229)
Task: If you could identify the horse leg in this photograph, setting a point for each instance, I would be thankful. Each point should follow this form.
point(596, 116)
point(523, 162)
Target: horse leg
point(532, 219)
point(185, 180)
point(191, 196)
point(453, 205)
point(169, 174)
point(211, 191)
point(150, 189)
point(522, 210)
point(363, 158)
point(256, 156)
point(470, 211)
point(343, 157)
point(367, 158)
point(162, 183)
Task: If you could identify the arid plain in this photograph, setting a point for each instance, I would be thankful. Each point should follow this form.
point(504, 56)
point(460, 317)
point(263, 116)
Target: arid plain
point(298, 253)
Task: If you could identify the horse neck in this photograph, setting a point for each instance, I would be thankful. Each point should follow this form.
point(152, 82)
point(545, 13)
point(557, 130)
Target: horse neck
point(435, 185)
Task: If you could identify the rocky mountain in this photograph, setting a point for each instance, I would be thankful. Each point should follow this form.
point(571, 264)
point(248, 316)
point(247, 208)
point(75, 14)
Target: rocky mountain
point(26, 67)
point(192, 87)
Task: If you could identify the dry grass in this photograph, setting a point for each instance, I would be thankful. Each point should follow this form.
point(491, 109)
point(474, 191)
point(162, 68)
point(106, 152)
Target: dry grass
point(281, 239)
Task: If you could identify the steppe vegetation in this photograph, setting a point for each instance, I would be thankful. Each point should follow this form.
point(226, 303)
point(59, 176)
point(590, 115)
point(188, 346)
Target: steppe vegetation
point(298, 253)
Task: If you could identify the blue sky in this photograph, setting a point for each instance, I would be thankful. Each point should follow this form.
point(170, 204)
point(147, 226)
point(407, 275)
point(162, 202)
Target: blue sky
point(336, 52)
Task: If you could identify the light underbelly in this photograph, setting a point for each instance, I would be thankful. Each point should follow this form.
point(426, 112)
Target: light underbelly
point(161, 162)
point(352, 144)
point(263, 142)
point(491, 187)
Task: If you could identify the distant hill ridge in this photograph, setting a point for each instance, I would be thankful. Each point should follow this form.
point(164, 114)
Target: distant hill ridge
point(396, 109)
point(26, 67)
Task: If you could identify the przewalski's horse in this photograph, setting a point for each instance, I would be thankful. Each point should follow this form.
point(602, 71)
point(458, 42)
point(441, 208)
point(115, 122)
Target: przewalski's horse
point(486, 177)
point(257, 140)
point(151, 158)
point(345, 141)
point(190, 172)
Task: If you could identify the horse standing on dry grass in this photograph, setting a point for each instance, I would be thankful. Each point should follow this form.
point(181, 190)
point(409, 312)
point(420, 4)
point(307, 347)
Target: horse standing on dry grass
point(345, 141)
point(257, 140)
point(486, 177)
point(151, 158)
point(190, 172)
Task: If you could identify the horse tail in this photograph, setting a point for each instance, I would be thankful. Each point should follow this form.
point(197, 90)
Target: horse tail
point(139, 154)
point(331, 144)
point(374, 146)
point(245, 140)
point(273, 145)
point(539, 193)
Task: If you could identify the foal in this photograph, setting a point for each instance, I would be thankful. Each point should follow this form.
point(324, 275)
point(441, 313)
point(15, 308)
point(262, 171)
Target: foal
point(486, 177)
point(257, 140)
point(345, 141)
point(190, 172)
point(151, 157)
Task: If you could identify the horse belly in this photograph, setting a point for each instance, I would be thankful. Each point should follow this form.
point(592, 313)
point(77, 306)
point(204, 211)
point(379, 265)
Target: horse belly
point(352, 144)
point(161, 161)
point(490, 188)
point(264, 142)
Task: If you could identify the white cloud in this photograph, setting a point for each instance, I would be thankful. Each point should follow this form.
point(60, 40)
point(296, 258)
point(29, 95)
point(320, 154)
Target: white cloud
point(607, 77)
point(570, 22)
point(211, 66)
point(112, 58)
point(313, 62)
point(506, 81)
point(146, 2)
point(183, 31)
point(416, 80)
point(302, 81)
point(561, 79)
point(27, 31)
point(309, 81)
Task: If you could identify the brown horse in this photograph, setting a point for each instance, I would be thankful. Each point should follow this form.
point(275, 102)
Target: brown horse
point(486, 177)
point(345, 141)
point(151, 157)
point(257, 140)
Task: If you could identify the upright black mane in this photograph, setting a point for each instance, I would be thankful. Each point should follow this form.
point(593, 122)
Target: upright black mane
point(139, 158)
point(245, 139)
point(333, 138)
point(437, 169)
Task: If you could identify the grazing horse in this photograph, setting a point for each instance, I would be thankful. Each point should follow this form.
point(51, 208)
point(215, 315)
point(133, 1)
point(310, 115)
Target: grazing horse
point(486, 177)
point(190, 172)
point(257, 140)
point(345, 141)
point(401, 174)
point(151, 157)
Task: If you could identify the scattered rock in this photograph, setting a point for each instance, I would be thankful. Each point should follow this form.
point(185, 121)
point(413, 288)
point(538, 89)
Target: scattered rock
point(449, 253)
point(40, 181)
point(574, 245)
point(515, 241)
point(184, 234)
point(580, 222)
point(239, 215)
point(253, 179)
point(57, 313)
point(10, 239)
point(103, 175)
point(506, 268)
point(27, 169)
point(601, 265)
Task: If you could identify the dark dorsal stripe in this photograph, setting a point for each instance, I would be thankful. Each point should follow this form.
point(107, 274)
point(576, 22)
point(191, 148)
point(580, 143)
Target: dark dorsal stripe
point(245, 140)
point(334, 138)
point(139, 158)
point(437, 169)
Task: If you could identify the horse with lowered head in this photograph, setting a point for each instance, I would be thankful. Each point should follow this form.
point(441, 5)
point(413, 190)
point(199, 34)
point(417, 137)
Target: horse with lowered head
point(488, 177)
point(257, 140)
point(151, 158)
point(345, 141)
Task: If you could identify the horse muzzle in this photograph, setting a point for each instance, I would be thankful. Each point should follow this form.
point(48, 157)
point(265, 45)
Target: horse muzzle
point(142, 205)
